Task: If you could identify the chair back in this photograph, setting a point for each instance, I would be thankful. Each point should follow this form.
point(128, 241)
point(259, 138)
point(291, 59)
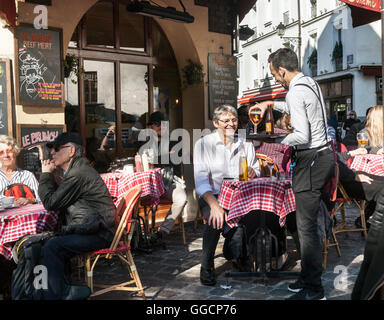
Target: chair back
point(343, 148)
point(264, 162)
point(126, 214)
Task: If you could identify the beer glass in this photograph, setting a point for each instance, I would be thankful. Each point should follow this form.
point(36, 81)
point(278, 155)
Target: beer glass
point(362, 139)
point(255, 117)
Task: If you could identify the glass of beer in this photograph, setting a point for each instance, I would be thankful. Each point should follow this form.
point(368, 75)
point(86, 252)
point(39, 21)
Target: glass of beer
point(255, 117)
point(362, 139)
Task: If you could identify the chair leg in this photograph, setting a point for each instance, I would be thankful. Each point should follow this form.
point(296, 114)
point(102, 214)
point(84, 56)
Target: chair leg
point(325, 252)
point(136, 277)
point(89, 273)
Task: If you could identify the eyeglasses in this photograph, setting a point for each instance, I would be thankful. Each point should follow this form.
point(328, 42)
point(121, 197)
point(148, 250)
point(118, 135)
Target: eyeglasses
point(4, 152)
point(226, 122)
point(58, 148)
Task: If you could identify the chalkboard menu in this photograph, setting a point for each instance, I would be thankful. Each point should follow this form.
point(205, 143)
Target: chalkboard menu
point(39, 66)
point(5, 97)
point(30, 137)
point(222, 79)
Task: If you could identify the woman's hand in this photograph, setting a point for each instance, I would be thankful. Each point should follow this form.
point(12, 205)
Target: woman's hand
point(380, 151)
point(24, 201)
point(358, 152)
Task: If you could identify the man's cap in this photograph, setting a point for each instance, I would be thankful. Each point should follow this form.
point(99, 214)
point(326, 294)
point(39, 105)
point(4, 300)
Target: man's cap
point(156, 118)
point(66, 137)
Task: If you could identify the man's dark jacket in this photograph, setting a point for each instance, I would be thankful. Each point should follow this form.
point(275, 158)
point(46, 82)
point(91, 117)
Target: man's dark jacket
point(83, 197)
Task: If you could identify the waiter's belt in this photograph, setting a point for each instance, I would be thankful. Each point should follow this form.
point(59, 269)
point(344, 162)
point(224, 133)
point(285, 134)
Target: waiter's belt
point(324, 149)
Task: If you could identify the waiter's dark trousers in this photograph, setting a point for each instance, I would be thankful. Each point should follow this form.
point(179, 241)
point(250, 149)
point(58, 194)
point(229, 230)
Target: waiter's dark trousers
point(312, 172)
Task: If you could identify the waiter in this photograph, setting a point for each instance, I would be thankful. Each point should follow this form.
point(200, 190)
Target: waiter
point(313, 163)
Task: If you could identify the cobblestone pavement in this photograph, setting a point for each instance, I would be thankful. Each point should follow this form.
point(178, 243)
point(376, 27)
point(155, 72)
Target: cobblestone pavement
point(173, 273)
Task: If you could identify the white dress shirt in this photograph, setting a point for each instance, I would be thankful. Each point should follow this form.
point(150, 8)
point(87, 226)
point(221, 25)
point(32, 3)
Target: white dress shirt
point(213, 161)
point(306, 116)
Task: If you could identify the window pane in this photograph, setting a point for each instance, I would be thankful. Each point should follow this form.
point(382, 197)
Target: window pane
point(99, 25)
point(72, 111)
point(74, 43)
point(131, 30)
point(161, 46)
point(134, 102)
point(99, 94)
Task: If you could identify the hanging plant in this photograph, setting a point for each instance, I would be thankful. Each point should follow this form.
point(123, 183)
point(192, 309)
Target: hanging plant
point(193, 74)
point(71, 65)
point(337, 51)
point(312, 59)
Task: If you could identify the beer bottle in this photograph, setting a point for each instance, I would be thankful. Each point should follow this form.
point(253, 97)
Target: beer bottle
point(269, 123)
point(243, 165)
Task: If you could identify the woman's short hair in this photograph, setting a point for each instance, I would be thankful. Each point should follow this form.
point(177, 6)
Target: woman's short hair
point(10, 142)
point(224, 108)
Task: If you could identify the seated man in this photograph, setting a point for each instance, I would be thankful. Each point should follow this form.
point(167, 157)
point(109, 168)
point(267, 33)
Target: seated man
point(84, 200)
point(216, 156)
point(174, 191)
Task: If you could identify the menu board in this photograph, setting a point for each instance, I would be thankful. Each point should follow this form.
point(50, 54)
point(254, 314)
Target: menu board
point(29, 138)
point(5, 97)
point(222, 79)
point(39, 66)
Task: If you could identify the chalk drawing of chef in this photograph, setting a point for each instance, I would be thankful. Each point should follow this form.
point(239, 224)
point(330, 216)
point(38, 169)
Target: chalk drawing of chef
point(31, 74)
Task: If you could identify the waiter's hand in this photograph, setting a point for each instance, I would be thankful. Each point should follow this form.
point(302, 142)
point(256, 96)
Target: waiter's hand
point(363, 178)
point(251, 173)
point(261, 106)
point(217, 217)
point(47, 166)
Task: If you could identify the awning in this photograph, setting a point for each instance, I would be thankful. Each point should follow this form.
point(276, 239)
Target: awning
point(8, 11)
point(373, 71)
point(243, 7)
point(271, 93)
point(363, 11)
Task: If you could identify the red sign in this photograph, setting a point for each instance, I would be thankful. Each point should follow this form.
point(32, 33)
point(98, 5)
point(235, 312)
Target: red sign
point(373, 5)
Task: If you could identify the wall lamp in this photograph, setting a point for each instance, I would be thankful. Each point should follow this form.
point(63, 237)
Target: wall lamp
point(170, 13)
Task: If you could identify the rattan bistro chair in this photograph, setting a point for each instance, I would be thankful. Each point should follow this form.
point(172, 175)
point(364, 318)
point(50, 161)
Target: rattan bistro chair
point(125, 219)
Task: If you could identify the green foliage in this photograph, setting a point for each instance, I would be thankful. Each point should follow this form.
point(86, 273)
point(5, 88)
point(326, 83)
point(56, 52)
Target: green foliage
point(193, 73)
point(337, 51)
point(71, 65)
point(312, 59)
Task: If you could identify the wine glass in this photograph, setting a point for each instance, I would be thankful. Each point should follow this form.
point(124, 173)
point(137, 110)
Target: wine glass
point(362, 138)
point(255, 117)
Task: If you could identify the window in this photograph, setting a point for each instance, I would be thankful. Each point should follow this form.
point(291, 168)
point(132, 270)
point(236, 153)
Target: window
point(131, 30)
point(90, 87)
point(313, 9)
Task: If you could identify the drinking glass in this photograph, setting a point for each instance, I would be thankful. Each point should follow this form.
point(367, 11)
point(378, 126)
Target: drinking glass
point(362, 139)
point(255, 117)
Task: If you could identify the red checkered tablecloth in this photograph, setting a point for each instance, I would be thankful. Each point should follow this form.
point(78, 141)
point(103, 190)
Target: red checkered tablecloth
point(258, 194)
point(369, 163)
point(17, 222)
point(151, 183)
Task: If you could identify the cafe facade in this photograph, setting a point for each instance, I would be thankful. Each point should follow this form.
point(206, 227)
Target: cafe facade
point(100, 65)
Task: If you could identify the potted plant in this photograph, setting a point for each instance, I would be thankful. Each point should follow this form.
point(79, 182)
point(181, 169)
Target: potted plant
point(312, 62)
point(193, 73)
point(71, 65)
point(337, 55)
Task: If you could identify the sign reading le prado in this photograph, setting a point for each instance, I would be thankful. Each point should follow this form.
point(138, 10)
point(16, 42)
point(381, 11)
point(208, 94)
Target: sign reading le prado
point(222, 78)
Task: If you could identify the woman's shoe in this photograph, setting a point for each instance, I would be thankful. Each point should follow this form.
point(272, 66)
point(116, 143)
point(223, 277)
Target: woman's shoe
point(207, 276)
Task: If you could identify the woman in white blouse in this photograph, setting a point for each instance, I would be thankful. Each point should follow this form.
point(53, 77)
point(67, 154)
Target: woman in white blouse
point(10, 174)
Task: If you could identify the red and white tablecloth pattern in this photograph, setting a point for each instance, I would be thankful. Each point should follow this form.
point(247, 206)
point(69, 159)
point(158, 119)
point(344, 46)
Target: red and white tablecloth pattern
point(267, 194)
point(20, 221)
point(369, 163)
point(151, 183)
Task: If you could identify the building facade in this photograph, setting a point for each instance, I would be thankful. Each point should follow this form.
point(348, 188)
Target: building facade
point(345, 61)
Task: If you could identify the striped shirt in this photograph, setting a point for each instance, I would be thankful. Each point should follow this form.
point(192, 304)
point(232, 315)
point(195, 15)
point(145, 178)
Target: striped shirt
point(20, 176)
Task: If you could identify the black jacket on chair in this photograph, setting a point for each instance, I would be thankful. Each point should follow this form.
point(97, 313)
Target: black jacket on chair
point(83, 197)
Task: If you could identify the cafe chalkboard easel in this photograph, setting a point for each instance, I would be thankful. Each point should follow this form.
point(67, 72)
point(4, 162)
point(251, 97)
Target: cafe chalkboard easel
point(39, 67)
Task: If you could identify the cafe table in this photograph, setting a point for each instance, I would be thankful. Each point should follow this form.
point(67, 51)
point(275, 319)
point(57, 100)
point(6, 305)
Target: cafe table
point(268, 195)
point(151, 182)
point(369, 163)
point(20, 221)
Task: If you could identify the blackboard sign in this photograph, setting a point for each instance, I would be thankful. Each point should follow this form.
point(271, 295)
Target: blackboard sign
point(39, 66)
point(29, 138)
point(5, 97)
point(222, 79)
